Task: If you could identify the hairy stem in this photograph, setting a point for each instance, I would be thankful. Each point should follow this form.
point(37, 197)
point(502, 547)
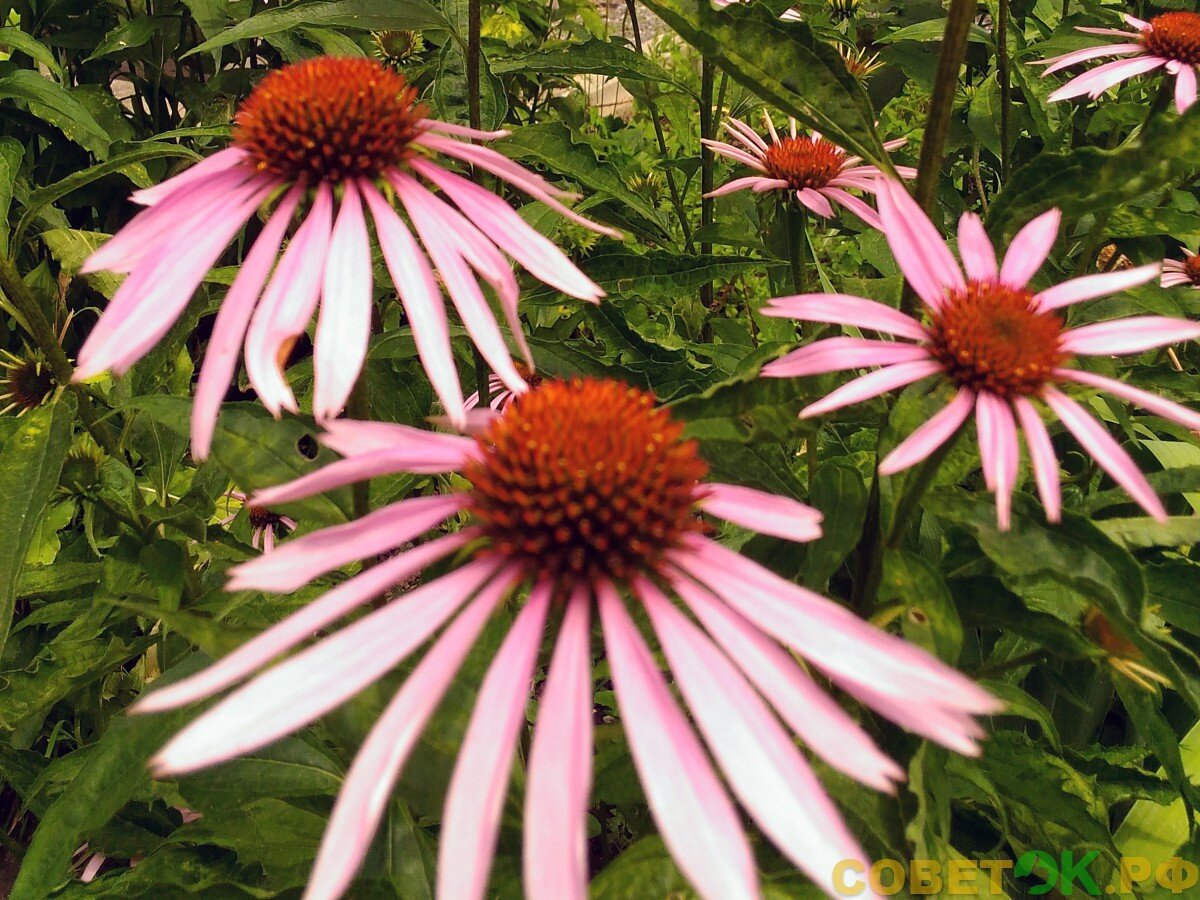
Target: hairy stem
point(707, 161)
point(475, 115)
point(1003, 74)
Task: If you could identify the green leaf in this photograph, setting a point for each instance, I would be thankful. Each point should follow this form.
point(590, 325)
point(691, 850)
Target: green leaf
point(114, 772)
point(1090, 180)
point(593, 57)
point(29, 467)
point(51, 193)
point(128, 35)
point(16, 39)
point(932, 30)
point(1144, 532)
point(364, 15)
point(55, 104)
point(785, 64)
point(71, 247)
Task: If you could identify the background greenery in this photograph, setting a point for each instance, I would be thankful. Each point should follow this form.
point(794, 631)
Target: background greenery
point(112, 558)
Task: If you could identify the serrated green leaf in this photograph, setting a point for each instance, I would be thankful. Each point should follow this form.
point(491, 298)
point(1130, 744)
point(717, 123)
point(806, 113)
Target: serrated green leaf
point(55, 104)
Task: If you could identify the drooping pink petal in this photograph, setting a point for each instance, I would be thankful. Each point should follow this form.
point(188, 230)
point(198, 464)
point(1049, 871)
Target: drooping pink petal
point(735, 153)
point(287, 305)
point(815, 202)
point(1108, 453)
point(920, 252)
point(758, 758)
point(1185, 87)
point(1134, 22)
point(1175, 279)
point(221, 355)
point(837, 354)
point(352, 437)
point(356, 468)
point(367, 788)
point(854, 205)
point(762, 512)
point(308, 557)
point(1055, 63)
point(460, 284)
point(975, 249)
point(921, 443)
point(344, 324)
point(301, 625)
point(145, 310)
point(502, 167)
point(312, 682)
point(872, 385)
point(756, 183)
point(151, 227)
point(220, 161)
point(694, 814)
point(746, 134)
point(1088, 287)
point(1106, 32)
point(482, 256)
point(501, 223)
point(1132, 334)
point(422, 299)
point(804, 706)
point(1029, 249)
point(462, 131)
point(999, 451)
point(846, 648)
point(558, 780)
point(1100, 79)
point(1041, 457)
point(844, 309)
point(471, 818)
point(951, 729)
point(1152, 403)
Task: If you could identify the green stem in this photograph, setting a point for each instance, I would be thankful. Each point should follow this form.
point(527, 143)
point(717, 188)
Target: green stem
point(796, 224)
point(707, 161)
point(1002, 73)
point(42, 332)
point(475, 115)
point(359, 407)
point(660, 137)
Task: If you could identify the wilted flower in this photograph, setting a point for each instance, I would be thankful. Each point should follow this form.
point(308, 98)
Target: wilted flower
point(25, 381)
point(1181, 271)
point(1170, 41)
point(816, 171)
point(1121, 654)
point(326, 135)
point(860, 62)
point(1001, 345)
point(264, 524)
point(587, 495)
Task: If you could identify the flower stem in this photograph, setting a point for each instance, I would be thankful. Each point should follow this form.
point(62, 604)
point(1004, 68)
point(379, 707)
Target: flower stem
point(656, 120)
point(1003, 75)
point(707, 130)
point(35, 322)
point(359, 407)
point(475, 116)
point(795, 220)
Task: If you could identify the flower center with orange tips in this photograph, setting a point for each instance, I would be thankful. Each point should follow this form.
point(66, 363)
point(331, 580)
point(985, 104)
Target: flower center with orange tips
point(585, 480)
point(329, 119)
point(991, 337)
point(804, 162)
point(262, 518)
point(1174, 35)
point(1191, 268)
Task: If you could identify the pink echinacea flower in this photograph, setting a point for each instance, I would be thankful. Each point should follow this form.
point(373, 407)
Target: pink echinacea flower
point(1000, 344)
point(582, 496)
point(326, 142)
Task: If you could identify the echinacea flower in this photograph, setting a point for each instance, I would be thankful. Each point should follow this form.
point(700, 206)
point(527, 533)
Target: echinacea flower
point(587, 495)
point(1170, 41)
point(1181, 271)
point(1002, 345)
point(815, 170)
point(323, 140)
point(499, 397)
point(264, 524)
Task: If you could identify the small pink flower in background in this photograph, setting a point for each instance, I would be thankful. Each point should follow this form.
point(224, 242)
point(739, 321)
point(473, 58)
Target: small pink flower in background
point(263, 522)
point(1002, 345)
point(1170, 41)
point(788, 15)
point(500, 396)
point(1181, 271)
point(582, 496)
point(322, 138)
point(817, 171)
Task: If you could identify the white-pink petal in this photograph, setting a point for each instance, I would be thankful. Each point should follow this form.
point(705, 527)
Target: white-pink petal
point(931, 435)
point(762, 512)
point(1152, 403)
point(872, 385)
point(1089, 287)
point(975, 249)
point(919, 250)
point(837, 354)
point(1041, 457)
point(1132, 334)
point(1029, 249)
point(845, 309)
